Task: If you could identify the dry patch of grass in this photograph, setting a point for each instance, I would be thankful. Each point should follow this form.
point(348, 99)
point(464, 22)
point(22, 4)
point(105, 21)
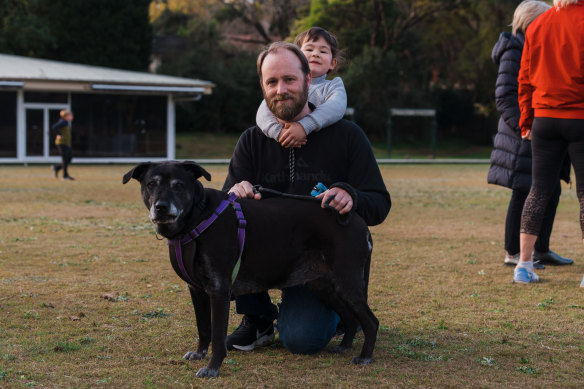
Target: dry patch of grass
point(88, 299)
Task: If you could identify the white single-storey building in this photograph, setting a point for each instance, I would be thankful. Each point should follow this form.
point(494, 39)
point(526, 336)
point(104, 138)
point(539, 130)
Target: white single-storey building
point(120, 116)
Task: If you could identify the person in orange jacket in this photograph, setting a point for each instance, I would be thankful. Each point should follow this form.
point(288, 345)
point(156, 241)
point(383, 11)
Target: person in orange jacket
point(551, 101)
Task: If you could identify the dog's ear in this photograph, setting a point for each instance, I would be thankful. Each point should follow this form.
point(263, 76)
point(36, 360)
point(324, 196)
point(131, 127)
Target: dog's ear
point(196, 170)
point(137, 172)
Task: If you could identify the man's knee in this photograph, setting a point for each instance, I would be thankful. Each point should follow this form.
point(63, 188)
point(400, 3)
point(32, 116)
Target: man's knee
point(306, 325)
point(300, 340)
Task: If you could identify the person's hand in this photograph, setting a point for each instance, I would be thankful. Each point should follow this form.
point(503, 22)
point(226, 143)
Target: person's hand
point(292, 135)
point(526, 135)
point(343, 202)
point(244, 190)
point(58, 137)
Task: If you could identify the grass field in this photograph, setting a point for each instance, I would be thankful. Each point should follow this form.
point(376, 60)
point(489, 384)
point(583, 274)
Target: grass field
point(88, 298)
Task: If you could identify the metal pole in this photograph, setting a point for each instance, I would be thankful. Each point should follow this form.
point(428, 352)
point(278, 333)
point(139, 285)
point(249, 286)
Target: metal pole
point(434, 136)
point(388, 127)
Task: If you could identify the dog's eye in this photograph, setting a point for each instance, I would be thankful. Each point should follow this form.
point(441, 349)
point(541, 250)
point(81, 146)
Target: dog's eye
point(151, 184)
point(177, 186)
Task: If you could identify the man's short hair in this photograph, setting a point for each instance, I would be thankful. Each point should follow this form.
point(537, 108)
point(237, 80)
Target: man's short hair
point(277, 46)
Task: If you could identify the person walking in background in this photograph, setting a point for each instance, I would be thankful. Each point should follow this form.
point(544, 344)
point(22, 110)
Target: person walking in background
point(551, 101)
point(63, 142)
point(511, 157)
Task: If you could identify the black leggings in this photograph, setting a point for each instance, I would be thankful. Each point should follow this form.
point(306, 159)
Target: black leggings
point(513, 221)
point(550, 140)
point(66, 158)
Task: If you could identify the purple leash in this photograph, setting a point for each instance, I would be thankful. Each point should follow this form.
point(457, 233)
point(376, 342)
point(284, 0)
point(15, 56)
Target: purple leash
point(198, 230)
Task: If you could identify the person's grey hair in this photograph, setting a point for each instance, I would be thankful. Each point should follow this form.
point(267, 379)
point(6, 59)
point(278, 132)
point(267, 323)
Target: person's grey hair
point(525, 13)
point(563, 3)
point(277, 46)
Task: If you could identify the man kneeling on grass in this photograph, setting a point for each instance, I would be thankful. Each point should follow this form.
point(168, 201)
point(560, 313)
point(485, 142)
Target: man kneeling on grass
point(340, 156)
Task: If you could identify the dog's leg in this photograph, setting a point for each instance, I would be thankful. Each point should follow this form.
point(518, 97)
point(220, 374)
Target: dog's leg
point(370, 326)
point(326, 292)
point(371, 335)
point(358, 304)
point(350, 324)
point(202, 307)
point(219, 321)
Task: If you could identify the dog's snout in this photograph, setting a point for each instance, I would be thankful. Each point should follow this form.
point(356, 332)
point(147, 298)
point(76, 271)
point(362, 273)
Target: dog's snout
point(161, 206)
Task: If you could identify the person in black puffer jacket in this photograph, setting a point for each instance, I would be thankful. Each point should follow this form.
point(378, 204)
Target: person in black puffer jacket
point(511, 157)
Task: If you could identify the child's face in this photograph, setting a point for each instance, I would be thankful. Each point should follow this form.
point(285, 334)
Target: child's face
point(319, 55)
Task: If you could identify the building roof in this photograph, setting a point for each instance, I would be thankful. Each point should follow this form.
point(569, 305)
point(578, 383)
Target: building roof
point(34, 71)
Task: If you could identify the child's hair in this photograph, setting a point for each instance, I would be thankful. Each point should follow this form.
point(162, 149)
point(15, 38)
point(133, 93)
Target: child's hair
point(64, 113)
point(314, 33)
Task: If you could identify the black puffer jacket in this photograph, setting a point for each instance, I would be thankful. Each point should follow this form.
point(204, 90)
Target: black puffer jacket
point(511, 158)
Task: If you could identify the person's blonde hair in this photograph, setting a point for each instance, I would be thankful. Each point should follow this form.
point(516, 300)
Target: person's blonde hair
point(562, 3)
point(64, 113)
point(525, 13)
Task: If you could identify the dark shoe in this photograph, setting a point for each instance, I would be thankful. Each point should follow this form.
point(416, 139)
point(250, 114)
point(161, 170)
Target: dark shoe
point(254, 331)
point(68, 178)
point(538, 265)
point(55, 170)
point(551, 258)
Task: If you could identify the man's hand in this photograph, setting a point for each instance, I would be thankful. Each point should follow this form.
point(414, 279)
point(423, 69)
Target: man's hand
point(526, 135)
point(58, 137)
point(292, 135)
point(343, 202)
point(244, 190)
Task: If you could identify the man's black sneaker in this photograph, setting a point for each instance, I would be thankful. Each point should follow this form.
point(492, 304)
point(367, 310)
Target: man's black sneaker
point(253, 332)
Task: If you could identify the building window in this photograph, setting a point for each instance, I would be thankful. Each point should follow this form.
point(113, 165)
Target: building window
point(119, 125)
point(45, 97)
point(8, 125)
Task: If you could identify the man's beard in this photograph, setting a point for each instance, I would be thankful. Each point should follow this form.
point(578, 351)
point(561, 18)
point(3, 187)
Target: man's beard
point(289, 110)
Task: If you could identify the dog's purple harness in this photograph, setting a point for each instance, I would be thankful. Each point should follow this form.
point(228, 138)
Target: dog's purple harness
point(198, 230)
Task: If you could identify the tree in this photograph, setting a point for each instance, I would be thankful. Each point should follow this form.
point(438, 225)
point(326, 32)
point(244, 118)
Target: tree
point(207, 54)
point(407, 53)
point(112, 33)
point(109, 33)
point(23, 28)
point(268, 20)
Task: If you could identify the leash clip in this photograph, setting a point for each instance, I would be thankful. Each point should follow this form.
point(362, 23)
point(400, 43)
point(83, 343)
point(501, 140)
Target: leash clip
point(318, 189)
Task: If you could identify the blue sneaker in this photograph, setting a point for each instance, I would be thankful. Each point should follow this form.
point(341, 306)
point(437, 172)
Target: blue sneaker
point(523, 276)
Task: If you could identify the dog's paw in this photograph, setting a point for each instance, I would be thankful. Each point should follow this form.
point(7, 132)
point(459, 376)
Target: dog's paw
point(361, 361)
point(194, 355)
point(205, 372)
point(338, 349)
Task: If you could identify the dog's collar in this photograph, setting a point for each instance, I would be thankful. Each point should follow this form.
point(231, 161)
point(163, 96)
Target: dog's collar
point(178, 243)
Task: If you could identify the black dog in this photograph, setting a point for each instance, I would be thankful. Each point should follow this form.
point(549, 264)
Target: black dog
point(288, 242)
